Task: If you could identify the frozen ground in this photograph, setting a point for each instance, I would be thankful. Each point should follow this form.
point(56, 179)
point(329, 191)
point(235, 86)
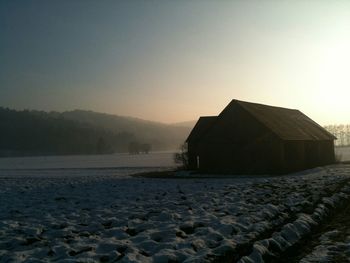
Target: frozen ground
point(113, 218)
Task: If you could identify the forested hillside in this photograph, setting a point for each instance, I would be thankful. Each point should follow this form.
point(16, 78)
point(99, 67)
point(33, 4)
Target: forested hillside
point(159, 135)
point(80, 132)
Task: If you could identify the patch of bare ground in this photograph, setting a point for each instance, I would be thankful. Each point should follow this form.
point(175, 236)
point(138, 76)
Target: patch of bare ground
point(184, 174)
point(157, 174)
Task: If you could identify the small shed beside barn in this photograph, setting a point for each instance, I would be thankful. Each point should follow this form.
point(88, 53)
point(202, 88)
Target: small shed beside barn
point(251, 138)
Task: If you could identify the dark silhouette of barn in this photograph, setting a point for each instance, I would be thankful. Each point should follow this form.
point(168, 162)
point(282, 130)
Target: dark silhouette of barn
point(251, 138)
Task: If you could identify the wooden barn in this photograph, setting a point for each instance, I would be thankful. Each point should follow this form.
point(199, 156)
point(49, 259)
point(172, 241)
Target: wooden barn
point(251, 138)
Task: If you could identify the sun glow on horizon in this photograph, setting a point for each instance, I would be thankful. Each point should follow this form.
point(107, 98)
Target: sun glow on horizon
point(175, 61)
point(331, 90)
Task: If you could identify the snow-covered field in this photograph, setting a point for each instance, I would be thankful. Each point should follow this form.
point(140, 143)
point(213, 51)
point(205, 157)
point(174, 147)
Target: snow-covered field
point(111, 217)
point(117, 165)
point(120, 160)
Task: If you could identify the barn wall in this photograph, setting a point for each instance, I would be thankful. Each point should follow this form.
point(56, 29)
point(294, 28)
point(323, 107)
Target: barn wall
point(312, 154)
point(327, 155)
point(294, 156)
point(269, 156)
point(235, 125)
point(300, 155)
point(192, 153)
point(240, 144)
point(255, 158)
point(272, 157)
point(215, 157)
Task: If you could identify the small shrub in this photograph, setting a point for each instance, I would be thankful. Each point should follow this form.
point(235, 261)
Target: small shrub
point(181, 157)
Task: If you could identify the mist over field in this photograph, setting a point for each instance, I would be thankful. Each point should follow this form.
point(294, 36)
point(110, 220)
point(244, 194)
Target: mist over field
point(31, 132)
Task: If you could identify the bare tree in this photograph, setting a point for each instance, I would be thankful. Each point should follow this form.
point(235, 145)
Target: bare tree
point(182, 157)
point(342, 132)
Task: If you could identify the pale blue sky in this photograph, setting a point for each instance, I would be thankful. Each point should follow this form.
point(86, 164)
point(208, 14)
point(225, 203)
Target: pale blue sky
point(173, 61)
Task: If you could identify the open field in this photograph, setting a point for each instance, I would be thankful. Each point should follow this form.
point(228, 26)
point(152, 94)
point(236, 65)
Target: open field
point(115, 217)
point(119, 160)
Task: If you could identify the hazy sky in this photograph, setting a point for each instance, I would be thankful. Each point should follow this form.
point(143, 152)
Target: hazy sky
point(173, 61)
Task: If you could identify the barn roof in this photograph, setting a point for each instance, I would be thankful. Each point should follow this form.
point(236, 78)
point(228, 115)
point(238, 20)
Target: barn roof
point(288, 124)
point(202, 125)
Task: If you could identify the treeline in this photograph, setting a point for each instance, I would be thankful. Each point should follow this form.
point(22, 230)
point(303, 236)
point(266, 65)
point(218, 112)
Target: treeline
point(25, 133)
point(161, 136)
point(137, 148)
point(342, 132)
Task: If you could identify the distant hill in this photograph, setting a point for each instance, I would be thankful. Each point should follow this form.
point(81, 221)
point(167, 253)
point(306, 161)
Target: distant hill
point(81, 132)
point(161, 136)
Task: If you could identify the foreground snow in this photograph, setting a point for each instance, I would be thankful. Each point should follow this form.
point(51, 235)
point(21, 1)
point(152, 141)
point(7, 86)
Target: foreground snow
point(125, 219)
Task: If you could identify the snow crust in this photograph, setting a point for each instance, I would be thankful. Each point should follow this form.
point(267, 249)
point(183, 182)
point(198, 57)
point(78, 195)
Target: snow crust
point(109, 217)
